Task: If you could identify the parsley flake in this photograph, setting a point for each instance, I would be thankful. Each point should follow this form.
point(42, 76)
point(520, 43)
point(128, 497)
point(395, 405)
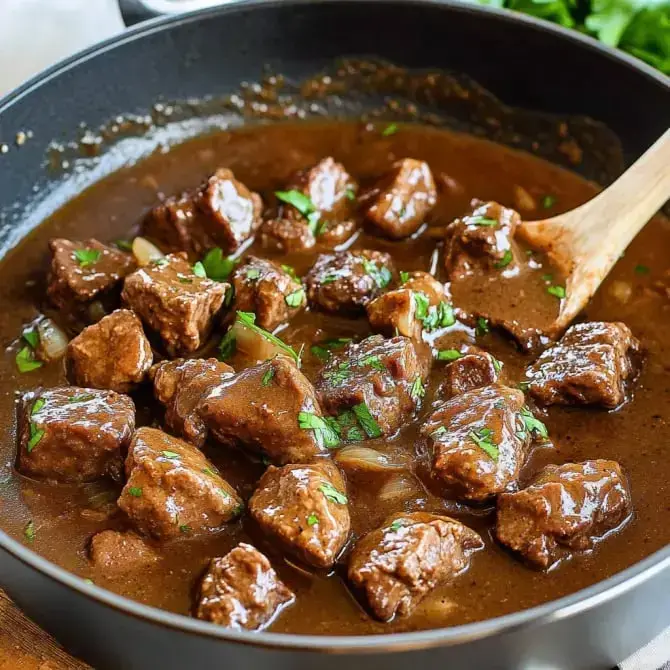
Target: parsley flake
point(449, 355)
point(290, 271)
point(642, 270)
point(217, 267)
point(397, 525)
point(381, 274)
point(372, 361)
point(25, 360)
point(418, 390)
point(404, 277)
point(548, 201)
point(325, 431)
point(333, 494)
point(35, 435)
point(350, 193)
point(32, 337)
point(367, 421)
point(267, 377)
point(253, 273)
point(227, 346)
point(86, 257)
point(497, 365)
point(482, 438)
point(296, 298)
point(29, 531)
point(171, 455)
point(323, 349)
point(124, 245)
point(507, 258)
point(339, 375)
point(557, 291)
point(312, 519)
point(391, 129)
point(135, 491)
point(533, 424)
point(199, 270)
point(483, 326)
point(37, 406)
point(481, 221)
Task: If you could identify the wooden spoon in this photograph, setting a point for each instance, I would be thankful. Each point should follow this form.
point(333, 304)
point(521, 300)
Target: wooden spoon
point(586, 242)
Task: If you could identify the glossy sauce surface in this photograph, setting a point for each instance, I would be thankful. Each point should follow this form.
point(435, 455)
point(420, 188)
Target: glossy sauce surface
point(65, 516)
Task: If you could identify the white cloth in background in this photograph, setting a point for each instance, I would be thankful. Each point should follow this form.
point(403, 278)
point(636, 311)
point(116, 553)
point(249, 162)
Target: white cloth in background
point(36, 33)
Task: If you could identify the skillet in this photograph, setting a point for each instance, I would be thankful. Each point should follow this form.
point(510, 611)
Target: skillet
point(525, 63)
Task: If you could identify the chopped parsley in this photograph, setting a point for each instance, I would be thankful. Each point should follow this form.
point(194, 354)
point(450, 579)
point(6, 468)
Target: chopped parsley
point(159, 262)
point(367, 421)
point(350, 193)
point(296, 298)
point(135, 491)
point(449, 355)
point(548, 201)
point(227, 346)
point(199, 270)
point(29, 531)
point(391, 129)
point(483, 439)
point(333, 494)
point(185, 280)
point(439, 432)
point(217, 267)
point(86, 257)
point(481, 221)
point(557, 291)
point(497, 365)
point(404, 277)
point(267, 377)
point(418, 389)
point(32, 337)
point(248, 319)
point(37, 406)
point(349, 428)
point(171, 455)
point(548, 277)
point(185, 528)
point(323, 349)
point(304, 205)
point(421, 305)
point(330, 278)
point(483, 326)
point(381, 274)
point(524, 386)
point(253, 273)
point(339, 375)
point(397, 525)
point(312, 519)
point(25, 360)
point(124, 245)
point(208, 471)
point(533, 424)
point(642, 270)
point(433, 317)
point(373, 361)
point(35, 434)
point(507, 258)
point(325, 430)
point(290, 271)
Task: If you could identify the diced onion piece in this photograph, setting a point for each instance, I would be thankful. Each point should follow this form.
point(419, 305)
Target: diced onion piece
point(366, 459)
point(254, 344)
point(53, 341)
point(397, 489)
point(523, 199)
point(621, 291)
point(145, 252)
point(435, 606)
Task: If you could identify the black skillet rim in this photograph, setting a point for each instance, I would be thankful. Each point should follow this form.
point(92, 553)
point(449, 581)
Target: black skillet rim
point(555, 610)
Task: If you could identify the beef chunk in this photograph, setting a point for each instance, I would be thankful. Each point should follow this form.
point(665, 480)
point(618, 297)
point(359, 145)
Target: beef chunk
point(172, 489)
point(259, 409)
point(397, 565)
point(422, 303)
point(221, 212)
point(117, 553)
point(74, 434)
point(180, 385)
point(564, 508)
point(381, 377)
point(242, 591)
point(176, 303)
point(479, 441)
point(481, 241)
point(470, 370)
point(264, 288)
point(402, 199)
point(348, 280)
point(82, 270)
point(286, 235)
point(111, 354)
point(304, 507)
point(589, 366)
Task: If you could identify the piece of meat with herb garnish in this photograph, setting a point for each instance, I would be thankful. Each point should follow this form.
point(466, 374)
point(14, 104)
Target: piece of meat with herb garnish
point(468, 370)
point(482, 241)
point(268, 290)
point(261, 409)
point(242, 591)
point(115, 553)
point(420, 304)
point(593, 364)
point(73, 434)
point(180, 385)
point(80, 271)
point(175, 300)
point(348, 280)
point(402, 199)
point(479, 441)
point(111, 354)
point(380, 381)
point(397, 565)
point(221, 212)
point(565, 508)
point(304, 508)
point(172, 490)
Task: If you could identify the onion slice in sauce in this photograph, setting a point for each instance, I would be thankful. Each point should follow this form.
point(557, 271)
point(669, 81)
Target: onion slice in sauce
point(366, 459)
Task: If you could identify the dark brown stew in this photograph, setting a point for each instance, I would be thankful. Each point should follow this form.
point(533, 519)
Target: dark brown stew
point(453, 394)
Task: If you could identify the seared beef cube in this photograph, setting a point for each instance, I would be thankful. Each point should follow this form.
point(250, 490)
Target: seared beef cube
point(397, 565)
point(422, 301)
point(222, 212)
point(402, 199)
point(471, 370)
point(242, 591)
point(348, 280)
point(176, 303)
point(180, 385)
point(111, 354)
point(259, 409)
point(172, 489)
point(479, 441)
point(304, 507)
point(564, 508)
point(264, 288)
point(376, 377)
point(481, 241)
point(82, 270)
point(74, 434)
point(116, 553)
point(589, 366)
point(286, 235)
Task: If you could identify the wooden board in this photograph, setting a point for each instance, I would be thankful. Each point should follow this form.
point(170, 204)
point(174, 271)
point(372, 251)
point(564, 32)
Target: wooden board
point(25, 646)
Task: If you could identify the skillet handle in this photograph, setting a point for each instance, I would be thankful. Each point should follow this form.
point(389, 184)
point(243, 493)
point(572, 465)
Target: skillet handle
point(135, 11)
